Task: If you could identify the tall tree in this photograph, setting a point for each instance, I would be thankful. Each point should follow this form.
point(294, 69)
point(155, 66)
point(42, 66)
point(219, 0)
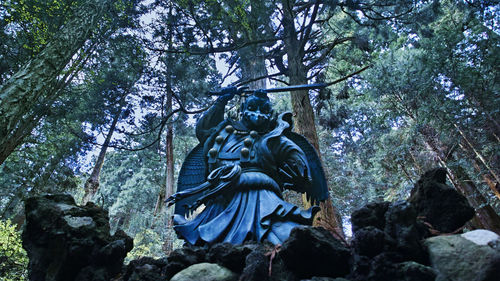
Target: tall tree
point(120, 66)
point(27, 95)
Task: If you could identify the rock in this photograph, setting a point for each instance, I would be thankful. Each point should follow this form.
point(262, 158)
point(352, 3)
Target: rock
point(440, 205)
point(401, 225)
point(279, 270)
point(311, 251)
point(181, 258)
point(387, 246)
point(371, 214)
point(205, 272)
point(412, 271)
point(491, 271)
point(456, 258)
point(481, 236)
point(387, 266)
point(369, 241)
point(145, 269)
point(69, 242)
point(256, 266)
point(229, 255)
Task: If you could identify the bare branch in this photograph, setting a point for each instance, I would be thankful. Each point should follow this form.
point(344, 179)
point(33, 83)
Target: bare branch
point(348, 76)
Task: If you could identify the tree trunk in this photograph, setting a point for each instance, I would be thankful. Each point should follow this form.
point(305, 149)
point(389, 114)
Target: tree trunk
point(303, 114)
point(494, 186)
point(30, 88)
point(92, 183)
point(169, 162)
point(477, 154)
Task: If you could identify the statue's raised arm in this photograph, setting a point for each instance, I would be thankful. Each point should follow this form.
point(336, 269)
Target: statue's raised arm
point(238, 172)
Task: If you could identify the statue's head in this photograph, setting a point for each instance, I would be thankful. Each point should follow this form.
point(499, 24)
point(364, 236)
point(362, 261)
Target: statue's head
point(256, 111)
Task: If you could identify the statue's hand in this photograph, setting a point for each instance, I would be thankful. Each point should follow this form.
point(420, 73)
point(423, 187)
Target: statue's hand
point(296, 176)
point(173, 199)
point(227, 94)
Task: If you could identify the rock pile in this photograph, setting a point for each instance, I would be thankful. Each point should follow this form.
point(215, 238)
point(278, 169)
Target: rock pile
point(392, 241)
point(69, 242)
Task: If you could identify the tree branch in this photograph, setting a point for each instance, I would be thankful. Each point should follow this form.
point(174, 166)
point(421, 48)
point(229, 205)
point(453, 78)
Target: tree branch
point(348, 76)
point(213, 50)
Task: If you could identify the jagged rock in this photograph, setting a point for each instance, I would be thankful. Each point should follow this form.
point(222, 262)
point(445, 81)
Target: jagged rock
point(369, 241)
point(279, 271)
point(482, 237)
point(440, 205)
point(388, 266)
point(69, 242)
point(371, 214)
point(181, 258)
point(401, 225)
point(205, 272)
point(315, 252)
point(229, 255)
point(387, 246)
point(256, 266)
point(145, 269)
point(456, 258)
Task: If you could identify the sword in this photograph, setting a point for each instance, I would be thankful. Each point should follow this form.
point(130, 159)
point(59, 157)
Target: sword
point(245, 90)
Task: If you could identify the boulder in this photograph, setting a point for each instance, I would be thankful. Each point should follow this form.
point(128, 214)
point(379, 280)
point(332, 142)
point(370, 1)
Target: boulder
point(230, 256)
point(145, 269)
point(69, 242)
point(369, 241)
point(387, 244)
point(389, 266)
point(438, 204)
point(256, 265)
point(311, 251)
point(205, 272)
point(181, 258)
point(405, 232)
point(457, 258)
point(482, 237)
point(372, 214)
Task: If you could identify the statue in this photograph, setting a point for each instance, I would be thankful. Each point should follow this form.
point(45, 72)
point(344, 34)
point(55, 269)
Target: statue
point(238, 172)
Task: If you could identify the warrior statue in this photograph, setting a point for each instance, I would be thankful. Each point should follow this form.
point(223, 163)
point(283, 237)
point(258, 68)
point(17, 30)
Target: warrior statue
point(238, 172)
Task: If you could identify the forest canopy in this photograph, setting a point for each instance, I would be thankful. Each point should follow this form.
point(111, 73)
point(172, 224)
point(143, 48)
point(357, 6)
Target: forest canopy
point(99, 98)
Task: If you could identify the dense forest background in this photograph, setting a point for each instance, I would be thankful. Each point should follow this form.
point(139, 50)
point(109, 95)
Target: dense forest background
point(99, 99)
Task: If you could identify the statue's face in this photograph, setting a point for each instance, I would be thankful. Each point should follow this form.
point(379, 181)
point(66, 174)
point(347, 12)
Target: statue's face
point(257, 113)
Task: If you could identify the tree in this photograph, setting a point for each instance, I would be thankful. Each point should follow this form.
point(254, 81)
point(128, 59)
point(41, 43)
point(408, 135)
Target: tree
point(27, 95)
point(13, 258)
point(417, 116)
point(120, 65)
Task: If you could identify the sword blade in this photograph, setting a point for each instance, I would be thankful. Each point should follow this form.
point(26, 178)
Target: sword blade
point(280, 89)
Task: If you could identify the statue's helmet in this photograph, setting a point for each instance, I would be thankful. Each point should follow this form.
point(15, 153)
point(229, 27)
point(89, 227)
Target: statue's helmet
point(257, 111)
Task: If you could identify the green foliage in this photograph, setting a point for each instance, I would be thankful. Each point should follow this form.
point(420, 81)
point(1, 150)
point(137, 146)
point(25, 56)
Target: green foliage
point(13, 258)
point(434, 85)
point(147, 243)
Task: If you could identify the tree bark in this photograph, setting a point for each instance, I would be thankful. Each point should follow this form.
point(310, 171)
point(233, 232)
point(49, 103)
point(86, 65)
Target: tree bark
point(303, 113)
point(92, 183)
point(31, 87)
point(477, 154)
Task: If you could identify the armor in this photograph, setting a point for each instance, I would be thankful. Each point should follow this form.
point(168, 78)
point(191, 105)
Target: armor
point(238, 173)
